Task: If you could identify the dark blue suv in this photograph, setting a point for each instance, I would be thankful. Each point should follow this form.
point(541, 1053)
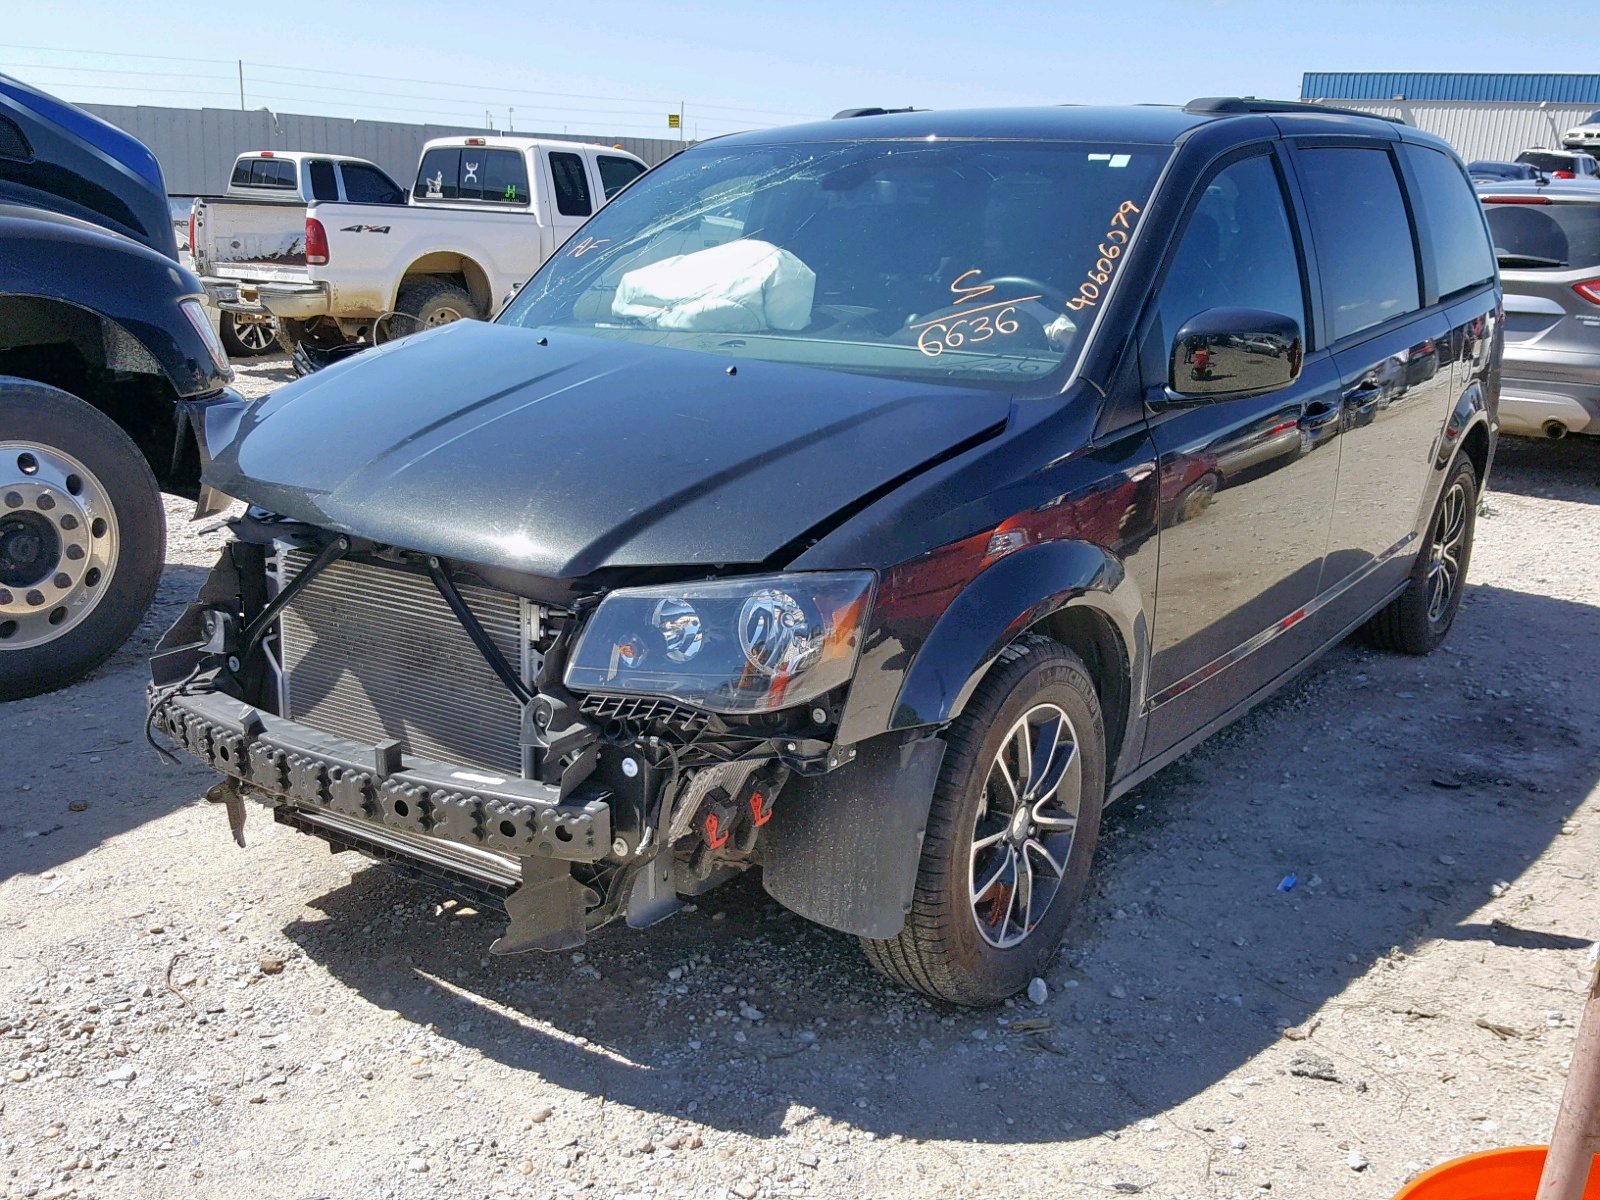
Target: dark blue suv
point(868, 502)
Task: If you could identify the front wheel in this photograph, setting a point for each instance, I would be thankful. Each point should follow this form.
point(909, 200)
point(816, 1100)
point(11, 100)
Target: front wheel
point(1417, 620)
point(1011, 834)
point(82, 538)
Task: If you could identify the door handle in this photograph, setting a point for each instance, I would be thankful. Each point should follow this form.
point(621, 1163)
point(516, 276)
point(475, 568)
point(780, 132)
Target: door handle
point(1364, 396)
point(1318, 415)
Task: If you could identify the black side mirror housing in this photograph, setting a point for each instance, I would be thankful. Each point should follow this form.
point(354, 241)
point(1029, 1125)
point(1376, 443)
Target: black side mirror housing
point(1229, 352)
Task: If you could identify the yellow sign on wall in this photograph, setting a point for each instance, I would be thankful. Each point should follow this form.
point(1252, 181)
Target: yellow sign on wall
point(674, 121)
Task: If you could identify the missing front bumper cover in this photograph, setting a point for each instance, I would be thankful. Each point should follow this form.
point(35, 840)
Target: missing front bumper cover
point(294, 764)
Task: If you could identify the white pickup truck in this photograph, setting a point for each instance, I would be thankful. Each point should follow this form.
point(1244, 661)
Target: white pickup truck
point(484, 213)
point(259, 226)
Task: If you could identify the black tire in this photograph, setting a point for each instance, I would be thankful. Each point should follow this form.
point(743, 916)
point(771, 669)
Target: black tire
point(941, 951)
point(1413, 622)
point(423, 305)
point(52, 421)
point(247, 339)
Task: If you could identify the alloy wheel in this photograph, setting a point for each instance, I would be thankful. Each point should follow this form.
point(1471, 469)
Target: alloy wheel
point(58, 543)
point(255, 336)
point(1444, 556)
point(1023, 834)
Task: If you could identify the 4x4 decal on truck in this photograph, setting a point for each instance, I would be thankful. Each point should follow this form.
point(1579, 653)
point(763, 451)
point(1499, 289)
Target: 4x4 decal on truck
point(364, 229)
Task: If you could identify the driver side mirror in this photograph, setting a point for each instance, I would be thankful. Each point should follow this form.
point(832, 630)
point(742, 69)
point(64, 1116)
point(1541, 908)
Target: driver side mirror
point(1228, 352)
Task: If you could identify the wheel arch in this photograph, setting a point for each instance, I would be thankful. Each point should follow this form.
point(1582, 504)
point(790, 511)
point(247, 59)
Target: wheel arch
point(1075, 593)
point(93, 356)
point(456, 266)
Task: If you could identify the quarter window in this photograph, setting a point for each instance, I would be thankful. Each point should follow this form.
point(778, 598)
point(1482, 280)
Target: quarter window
point(1362, 236)
point(617, 173)
point(1238, 251)
point(572, 185)
point(1461, 252)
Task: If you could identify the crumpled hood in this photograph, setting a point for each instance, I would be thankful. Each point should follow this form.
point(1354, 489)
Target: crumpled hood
point(477, 443)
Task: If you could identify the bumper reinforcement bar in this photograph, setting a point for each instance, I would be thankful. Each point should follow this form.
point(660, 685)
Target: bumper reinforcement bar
point(374, 787)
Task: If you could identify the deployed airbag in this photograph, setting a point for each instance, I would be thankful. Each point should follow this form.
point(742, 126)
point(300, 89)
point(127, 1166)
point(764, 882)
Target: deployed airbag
point(739, 287)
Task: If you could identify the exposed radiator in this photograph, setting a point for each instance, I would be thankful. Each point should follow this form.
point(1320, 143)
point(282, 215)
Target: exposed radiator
point(374, 652)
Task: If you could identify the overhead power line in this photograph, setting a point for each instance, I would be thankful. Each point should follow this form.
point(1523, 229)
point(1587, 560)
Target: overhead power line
point(500, 91)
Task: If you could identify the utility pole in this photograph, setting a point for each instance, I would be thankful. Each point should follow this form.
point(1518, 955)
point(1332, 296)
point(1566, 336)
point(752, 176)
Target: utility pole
point(241, 85)
point(511, 119)
point(680, 122)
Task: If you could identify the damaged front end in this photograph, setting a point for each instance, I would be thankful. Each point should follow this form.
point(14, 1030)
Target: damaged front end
point(572, 753)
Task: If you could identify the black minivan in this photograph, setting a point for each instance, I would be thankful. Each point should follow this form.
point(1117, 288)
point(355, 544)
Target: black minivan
point(868, 502)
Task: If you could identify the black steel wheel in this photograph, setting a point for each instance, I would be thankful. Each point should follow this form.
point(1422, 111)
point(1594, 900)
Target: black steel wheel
point(1417, 620)
point(1011, 834)
point(82, 538)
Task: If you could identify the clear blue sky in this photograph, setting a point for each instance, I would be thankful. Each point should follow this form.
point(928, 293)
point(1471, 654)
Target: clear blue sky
point(619, 65)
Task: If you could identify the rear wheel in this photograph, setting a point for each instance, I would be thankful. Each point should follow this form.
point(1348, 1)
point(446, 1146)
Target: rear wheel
point(1418, 619)
point(82, 538)
point(1011, 834)
point(246, 336)
point(424, 305)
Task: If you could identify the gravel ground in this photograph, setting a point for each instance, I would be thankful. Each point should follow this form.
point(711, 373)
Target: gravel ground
point(181, 1018)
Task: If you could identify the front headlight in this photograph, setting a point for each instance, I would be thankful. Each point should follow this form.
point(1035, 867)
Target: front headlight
point(728, 645)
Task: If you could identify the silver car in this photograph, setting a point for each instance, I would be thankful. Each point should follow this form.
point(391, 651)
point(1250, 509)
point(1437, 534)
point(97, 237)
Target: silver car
point(1548, 242)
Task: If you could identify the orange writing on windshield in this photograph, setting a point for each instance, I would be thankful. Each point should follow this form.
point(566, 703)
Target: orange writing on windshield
point(973, 291)
point(1105, 266)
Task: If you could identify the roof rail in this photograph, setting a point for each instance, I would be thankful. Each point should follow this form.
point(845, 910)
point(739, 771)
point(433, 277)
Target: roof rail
point(1224, 105)
point(846, 113)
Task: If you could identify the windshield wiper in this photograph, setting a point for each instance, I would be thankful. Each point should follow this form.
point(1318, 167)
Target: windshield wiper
point(1526, 260)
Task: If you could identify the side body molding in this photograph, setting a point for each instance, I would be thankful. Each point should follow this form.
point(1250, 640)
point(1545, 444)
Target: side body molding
point(1015, 593)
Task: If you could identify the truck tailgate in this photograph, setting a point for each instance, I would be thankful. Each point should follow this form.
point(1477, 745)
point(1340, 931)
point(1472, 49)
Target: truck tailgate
point(253, 238)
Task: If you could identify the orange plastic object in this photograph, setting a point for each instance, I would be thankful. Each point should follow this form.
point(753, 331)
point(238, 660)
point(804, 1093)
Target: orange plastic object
point(1511, 1174)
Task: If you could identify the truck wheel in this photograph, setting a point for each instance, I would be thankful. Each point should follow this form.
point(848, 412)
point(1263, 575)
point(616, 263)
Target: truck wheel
point(248, 337)
point(82, 538)
point(423, 305)
point(1417, 620)
point(1012, 831)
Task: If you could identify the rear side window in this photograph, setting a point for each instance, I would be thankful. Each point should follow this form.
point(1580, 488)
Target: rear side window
point(1362, 236)
point(572, 184)
point(1453, 219)
point(324, 185)
point(1237, 252)
point(438, 175)
point(368, 185)
point(1545, 236)
point(617, 173)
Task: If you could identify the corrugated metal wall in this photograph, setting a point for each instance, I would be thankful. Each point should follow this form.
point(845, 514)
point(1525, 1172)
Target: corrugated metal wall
point(1495, 131)
point(196, 147)
point(1503, 87)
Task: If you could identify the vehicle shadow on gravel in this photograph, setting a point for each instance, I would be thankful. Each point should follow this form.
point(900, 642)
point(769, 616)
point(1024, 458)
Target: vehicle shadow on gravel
point(1398, 791)
point(84, 745)
point(1565, 470)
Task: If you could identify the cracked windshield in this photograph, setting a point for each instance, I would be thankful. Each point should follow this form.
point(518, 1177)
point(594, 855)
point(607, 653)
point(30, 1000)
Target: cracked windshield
point(977, 262)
